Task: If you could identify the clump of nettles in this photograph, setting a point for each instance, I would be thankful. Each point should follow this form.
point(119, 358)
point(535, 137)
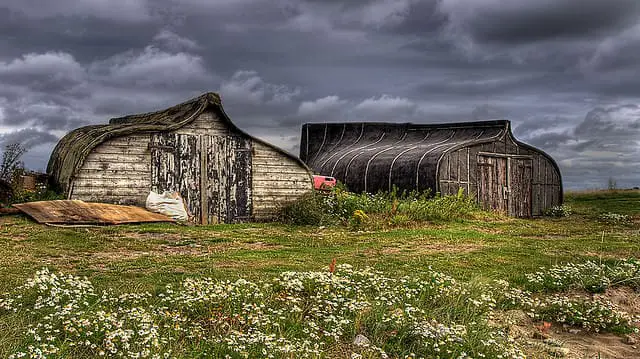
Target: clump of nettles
point(559, 211)
point(360, 312)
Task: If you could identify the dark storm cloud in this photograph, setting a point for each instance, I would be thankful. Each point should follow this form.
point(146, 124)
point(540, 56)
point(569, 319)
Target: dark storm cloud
point(543, 64)
point(87, 38)
point(523, 21)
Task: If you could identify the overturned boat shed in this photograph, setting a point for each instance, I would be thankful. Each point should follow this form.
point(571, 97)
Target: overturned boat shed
point(222, 173)
point(483, 158)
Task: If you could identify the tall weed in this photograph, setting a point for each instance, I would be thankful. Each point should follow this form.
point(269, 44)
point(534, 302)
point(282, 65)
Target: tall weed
point(380, 210)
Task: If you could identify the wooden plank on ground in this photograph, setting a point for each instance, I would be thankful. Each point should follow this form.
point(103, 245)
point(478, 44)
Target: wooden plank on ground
point(80, 212)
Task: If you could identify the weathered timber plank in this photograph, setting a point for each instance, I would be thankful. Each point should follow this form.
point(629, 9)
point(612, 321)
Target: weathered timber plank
point(126, 142)
point(283, 172)
point(206, 120)
point(276, 193)
point(287, 197)
point(259, 161)
point(126, 200)
point(109, 173)
point(117, 158)
point(240, 179)
point(283, 177)
point(79, 212)
point(217, 177)
point(117, 166)
point(188, 172)
point(286, 185)
point(106, 192)
point(109, 182)
point(121, 150)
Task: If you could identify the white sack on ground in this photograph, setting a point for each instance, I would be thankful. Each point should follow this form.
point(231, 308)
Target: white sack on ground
point(170, 204)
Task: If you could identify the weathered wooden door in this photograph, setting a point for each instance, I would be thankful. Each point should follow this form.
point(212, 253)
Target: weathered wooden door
point(492, 183)
point(228, 186)
point(175, 167)
point(504, 184)
point(520, 177)
point(212, 174)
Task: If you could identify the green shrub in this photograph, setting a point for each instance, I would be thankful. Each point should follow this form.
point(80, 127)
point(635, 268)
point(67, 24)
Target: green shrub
point(311, 209)
point(399, 220)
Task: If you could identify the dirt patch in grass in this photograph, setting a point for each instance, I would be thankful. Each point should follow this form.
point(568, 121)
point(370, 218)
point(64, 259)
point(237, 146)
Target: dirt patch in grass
point(609, 346)
point(624, 297)
point(573, 342)
point(621, 255)
point(422, 249)
point(195, 250)
point(153, 236)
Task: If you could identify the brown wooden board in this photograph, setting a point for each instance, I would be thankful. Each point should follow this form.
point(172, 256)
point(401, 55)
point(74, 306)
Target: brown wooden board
point(492, 182)
point(80, 212)
point(520, 186)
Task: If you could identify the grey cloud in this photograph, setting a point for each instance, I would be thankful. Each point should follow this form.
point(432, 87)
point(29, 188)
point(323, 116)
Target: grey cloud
point(487, 112)
point(278, 64)
point(248, 86)
point(120, 10)
point(321, 107)
point(604, 144)
point(86, 38)
point(175, 42)
point(150, 68)
point(28, 138)
point(523, 21)
point(51, 71)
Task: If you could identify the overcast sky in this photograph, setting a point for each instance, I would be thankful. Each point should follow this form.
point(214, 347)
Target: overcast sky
point(565, 72)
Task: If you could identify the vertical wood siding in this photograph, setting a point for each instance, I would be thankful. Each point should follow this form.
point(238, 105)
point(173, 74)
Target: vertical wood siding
point(459, 169)
point(277, 180)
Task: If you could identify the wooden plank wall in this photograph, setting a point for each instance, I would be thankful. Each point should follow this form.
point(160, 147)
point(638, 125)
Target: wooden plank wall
point(207, 123)
point(277, 180)
point(117, 171)
point(459, 169)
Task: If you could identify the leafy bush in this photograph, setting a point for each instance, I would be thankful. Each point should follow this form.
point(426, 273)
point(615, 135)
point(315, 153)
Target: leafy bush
point(311, 209)
point(559, 211)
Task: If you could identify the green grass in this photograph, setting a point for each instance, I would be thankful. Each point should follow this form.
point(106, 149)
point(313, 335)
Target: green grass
point(152, 255)
point(616, 201)
point(148, 257)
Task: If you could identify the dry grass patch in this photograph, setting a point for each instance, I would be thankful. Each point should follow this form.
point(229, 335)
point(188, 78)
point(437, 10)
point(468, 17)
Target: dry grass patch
point(425, 249)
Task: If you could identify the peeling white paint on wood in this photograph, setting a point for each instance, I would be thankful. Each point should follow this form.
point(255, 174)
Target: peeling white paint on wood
point(222, 175)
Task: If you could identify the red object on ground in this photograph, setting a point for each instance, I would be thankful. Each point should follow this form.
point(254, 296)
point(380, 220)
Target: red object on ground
point(323, 182)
